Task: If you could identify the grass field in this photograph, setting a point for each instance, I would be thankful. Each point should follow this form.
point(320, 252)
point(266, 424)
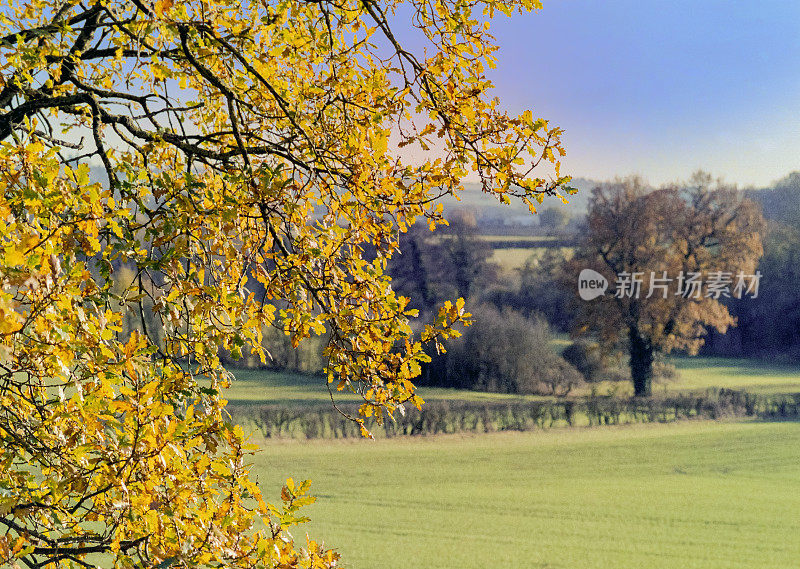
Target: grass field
point(701, 373)
point(280, 388)
point(695, 374)
point(693, 494)
point(689, 495)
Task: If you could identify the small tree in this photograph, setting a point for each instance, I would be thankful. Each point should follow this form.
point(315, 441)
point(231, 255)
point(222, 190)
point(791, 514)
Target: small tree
point(554, 218)
point(463, 259)
point(662, 237)
point(538, 292)
point(413, 269)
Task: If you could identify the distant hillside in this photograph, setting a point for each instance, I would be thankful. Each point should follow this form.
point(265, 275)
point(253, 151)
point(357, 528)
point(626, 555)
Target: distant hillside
point(488, 209)
point(781, 202)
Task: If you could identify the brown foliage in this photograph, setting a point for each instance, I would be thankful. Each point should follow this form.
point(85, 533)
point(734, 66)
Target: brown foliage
point(702, 227)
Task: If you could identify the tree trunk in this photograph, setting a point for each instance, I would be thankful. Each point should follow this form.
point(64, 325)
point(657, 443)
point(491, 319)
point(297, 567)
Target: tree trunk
point(641, 352)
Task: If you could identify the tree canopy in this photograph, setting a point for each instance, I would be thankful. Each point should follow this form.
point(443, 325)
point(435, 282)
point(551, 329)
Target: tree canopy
point(670, 256)
point(253, 175)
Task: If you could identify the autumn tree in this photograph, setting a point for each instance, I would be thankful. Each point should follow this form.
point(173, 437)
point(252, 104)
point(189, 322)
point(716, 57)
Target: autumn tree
point(245, 146)
point(670, 257)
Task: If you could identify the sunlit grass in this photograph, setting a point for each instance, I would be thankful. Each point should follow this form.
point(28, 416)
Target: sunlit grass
point(694, 494)
point(690, 495)
point(279, 388)
point(755, 376)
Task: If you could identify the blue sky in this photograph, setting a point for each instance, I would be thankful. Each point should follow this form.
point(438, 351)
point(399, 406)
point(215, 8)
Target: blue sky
point(661, 88)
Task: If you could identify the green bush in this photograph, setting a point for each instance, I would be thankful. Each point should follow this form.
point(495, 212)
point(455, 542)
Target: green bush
point(506, 352)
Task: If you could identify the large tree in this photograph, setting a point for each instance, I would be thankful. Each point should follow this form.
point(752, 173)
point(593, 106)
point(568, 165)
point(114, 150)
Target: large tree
point(251, 177)
point(670, 257)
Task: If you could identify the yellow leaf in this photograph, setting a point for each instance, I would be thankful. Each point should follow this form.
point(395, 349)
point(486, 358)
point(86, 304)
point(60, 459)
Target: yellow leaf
point(14, 257)
point(162, 6)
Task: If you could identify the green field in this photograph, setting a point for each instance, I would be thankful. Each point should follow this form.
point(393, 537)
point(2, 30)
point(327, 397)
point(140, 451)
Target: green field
point(695, 374)
point(687, 495)
point(693, 494)
point(280, 388)
point(701, 373)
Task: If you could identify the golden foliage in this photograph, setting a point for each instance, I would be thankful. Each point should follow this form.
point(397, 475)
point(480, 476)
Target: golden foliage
point(252, 178)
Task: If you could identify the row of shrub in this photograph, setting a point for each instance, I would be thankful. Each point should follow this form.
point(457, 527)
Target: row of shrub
point(482, 417)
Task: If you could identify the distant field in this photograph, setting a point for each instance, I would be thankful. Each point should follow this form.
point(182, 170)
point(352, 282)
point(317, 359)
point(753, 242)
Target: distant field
point(695, 374)
point(690, 495)
point(511, 258)
point(527, 239)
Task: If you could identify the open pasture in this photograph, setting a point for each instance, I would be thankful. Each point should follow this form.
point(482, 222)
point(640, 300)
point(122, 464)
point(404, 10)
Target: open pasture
point(757, 377)
point(697, 374)
point(698, 495)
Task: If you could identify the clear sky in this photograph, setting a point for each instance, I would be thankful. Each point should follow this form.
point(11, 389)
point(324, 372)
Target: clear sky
point(661, 88)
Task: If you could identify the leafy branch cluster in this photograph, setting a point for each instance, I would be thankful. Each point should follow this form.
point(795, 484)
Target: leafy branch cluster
point(252, 178)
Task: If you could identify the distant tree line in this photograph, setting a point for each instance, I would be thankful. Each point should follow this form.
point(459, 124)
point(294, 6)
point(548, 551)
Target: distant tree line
point(509, 348)
point(769, 325)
